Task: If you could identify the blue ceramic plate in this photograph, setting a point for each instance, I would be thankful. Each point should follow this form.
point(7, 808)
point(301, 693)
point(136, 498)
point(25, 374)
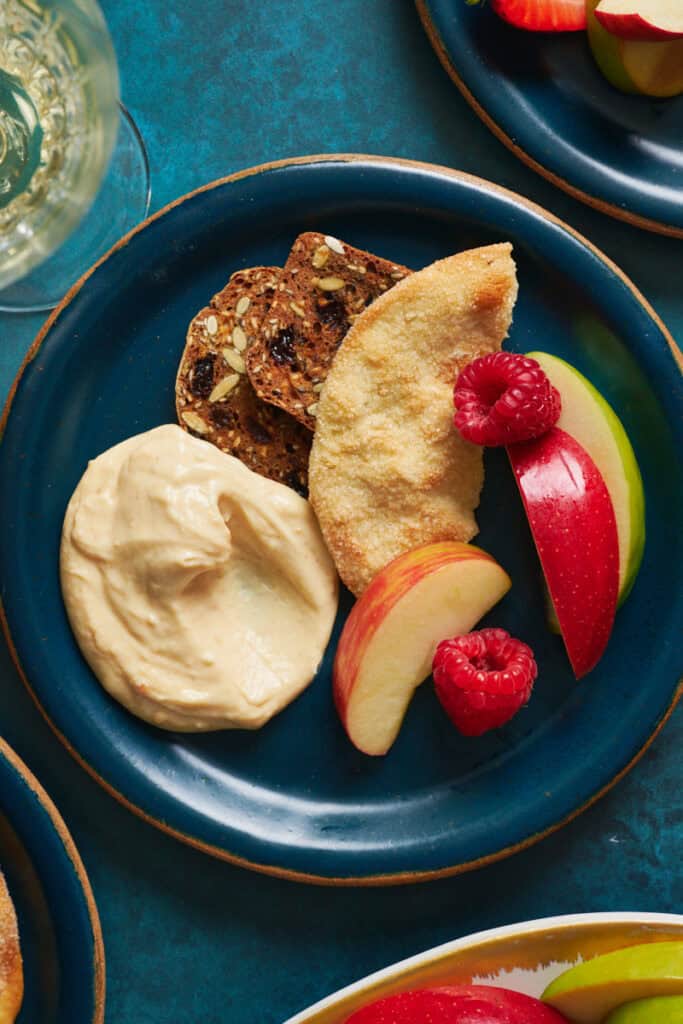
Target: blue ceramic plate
point(59, 929)
point(544, 97)
point(296, 798)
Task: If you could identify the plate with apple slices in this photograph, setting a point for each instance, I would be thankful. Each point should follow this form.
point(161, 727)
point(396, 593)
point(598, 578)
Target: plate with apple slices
point(296, 798)
point(576, 969)
point(589, 93)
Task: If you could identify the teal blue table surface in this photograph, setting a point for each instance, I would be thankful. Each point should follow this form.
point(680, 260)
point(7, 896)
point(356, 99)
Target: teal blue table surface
point(216, 87)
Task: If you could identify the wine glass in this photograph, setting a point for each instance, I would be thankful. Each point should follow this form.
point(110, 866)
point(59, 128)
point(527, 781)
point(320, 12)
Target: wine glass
point(74, 175)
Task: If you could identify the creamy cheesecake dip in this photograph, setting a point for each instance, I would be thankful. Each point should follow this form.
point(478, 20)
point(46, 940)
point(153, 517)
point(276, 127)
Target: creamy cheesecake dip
point(201, 594)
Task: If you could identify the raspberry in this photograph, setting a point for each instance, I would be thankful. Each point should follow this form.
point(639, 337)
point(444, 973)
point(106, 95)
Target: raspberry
point(503, 398)
point(483, 678)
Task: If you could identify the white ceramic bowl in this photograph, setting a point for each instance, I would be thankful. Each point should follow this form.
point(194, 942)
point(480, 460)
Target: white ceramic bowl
point(525, 957)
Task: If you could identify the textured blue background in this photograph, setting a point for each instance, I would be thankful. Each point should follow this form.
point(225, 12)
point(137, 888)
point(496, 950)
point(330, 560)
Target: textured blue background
point(215, 87)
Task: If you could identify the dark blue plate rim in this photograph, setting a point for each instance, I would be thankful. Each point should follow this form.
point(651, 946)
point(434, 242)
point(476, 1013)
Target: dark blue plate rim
point(16, 779)
point(377, 879)
point(597, 202)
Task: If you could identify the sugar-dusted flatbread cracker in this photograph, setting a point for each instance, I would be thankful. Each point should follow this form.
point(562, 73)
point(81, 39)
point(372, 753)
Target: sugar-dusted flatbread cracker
point(214, 398)
point(325, 285)
point(388, 470)
point(11, 969)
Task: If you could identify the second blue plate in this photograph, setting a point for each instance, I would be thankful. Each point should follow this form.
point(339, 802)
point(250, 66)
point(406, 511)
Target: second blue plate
point(59, 929)
point(296, 798)
point(542, 94)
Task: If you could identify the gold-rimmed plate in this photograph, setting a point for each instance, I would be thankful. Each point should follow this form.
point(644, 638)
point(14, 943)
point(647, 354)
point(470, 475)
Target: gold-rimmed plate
point(59, 928)
point(295, 798)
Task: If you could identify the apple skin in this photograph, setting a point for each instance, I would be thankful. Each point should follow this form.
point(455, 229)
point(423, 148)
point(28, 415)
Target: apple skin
point(589, 991)
point(657, 1010)
point(457, 1004)
point(634, 24)
point(593, 423)
point(572, 521)
point(388, 641)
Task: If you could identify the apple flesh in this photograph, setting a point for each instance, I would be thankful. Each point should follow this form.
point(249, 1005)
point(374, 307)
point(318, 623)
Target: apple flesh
point(572, 522)
point(457, 1004)
point(593, 423)
point(644, 20)
point(591, 990)
point(388, 642)
point(657, 1010)
point(656, 69)
point(652, 69)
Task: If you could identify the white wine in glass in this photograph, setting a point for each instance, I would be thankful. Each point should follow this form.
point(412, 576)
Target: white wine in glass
point(59, 119)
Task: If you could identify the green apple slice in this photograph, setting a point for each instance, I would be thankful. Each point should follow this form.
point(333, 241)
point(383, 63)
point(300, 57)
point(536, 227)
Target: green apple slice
point(658, 1010)
point(593, 423)
point(591, 990)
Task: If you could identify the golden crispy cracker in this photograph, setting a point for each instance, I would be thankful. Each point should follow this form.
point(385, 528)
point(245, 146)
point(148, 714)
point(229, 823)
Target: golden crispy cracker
point(214, 398)
point(325, 285)
point(11, 970)
point(388, 470)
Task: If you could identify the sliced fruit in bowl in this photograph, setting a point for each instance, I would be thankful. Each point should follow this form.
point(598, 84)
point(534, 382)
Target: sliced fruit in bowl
point(386, 647)
point(492, 977)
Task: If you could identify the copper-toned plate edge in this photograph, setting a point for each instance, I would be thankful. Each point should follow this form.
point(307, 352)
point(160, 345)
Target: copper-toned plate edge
point(634, 219)
point(99, 973)
point(400, 878)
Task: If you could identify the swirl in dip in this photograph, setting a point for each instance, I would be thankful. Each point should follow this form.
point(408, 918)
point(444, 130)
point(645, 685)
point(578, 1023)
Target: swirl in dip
point(201, 594)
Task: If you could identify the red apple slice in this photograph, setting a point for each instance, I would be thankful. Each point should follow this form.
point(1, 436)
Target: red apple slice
point(572, 521)
point(457, 1004)
point(645, 20)
point(389, 639)
point(595, 425)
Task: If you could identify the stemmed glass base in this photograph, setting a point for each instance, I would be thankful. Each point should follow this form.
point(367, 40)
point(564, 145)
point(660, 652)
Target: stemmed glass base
point(121, 203)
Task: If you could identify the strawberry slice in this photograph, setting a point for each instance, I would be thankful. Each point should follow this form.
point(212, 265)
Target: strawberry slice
point(543, 15)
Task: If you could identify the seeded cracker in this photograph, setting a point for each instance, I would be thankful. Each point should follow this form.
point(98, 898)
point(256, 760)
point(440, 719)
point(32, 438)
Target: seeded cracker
point(214, 399)
point(325, 286)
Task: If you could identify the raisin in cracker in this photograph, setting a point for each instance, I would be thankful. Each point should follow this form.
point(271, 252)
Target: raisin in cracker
point(325, 285)
point(214, 398)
